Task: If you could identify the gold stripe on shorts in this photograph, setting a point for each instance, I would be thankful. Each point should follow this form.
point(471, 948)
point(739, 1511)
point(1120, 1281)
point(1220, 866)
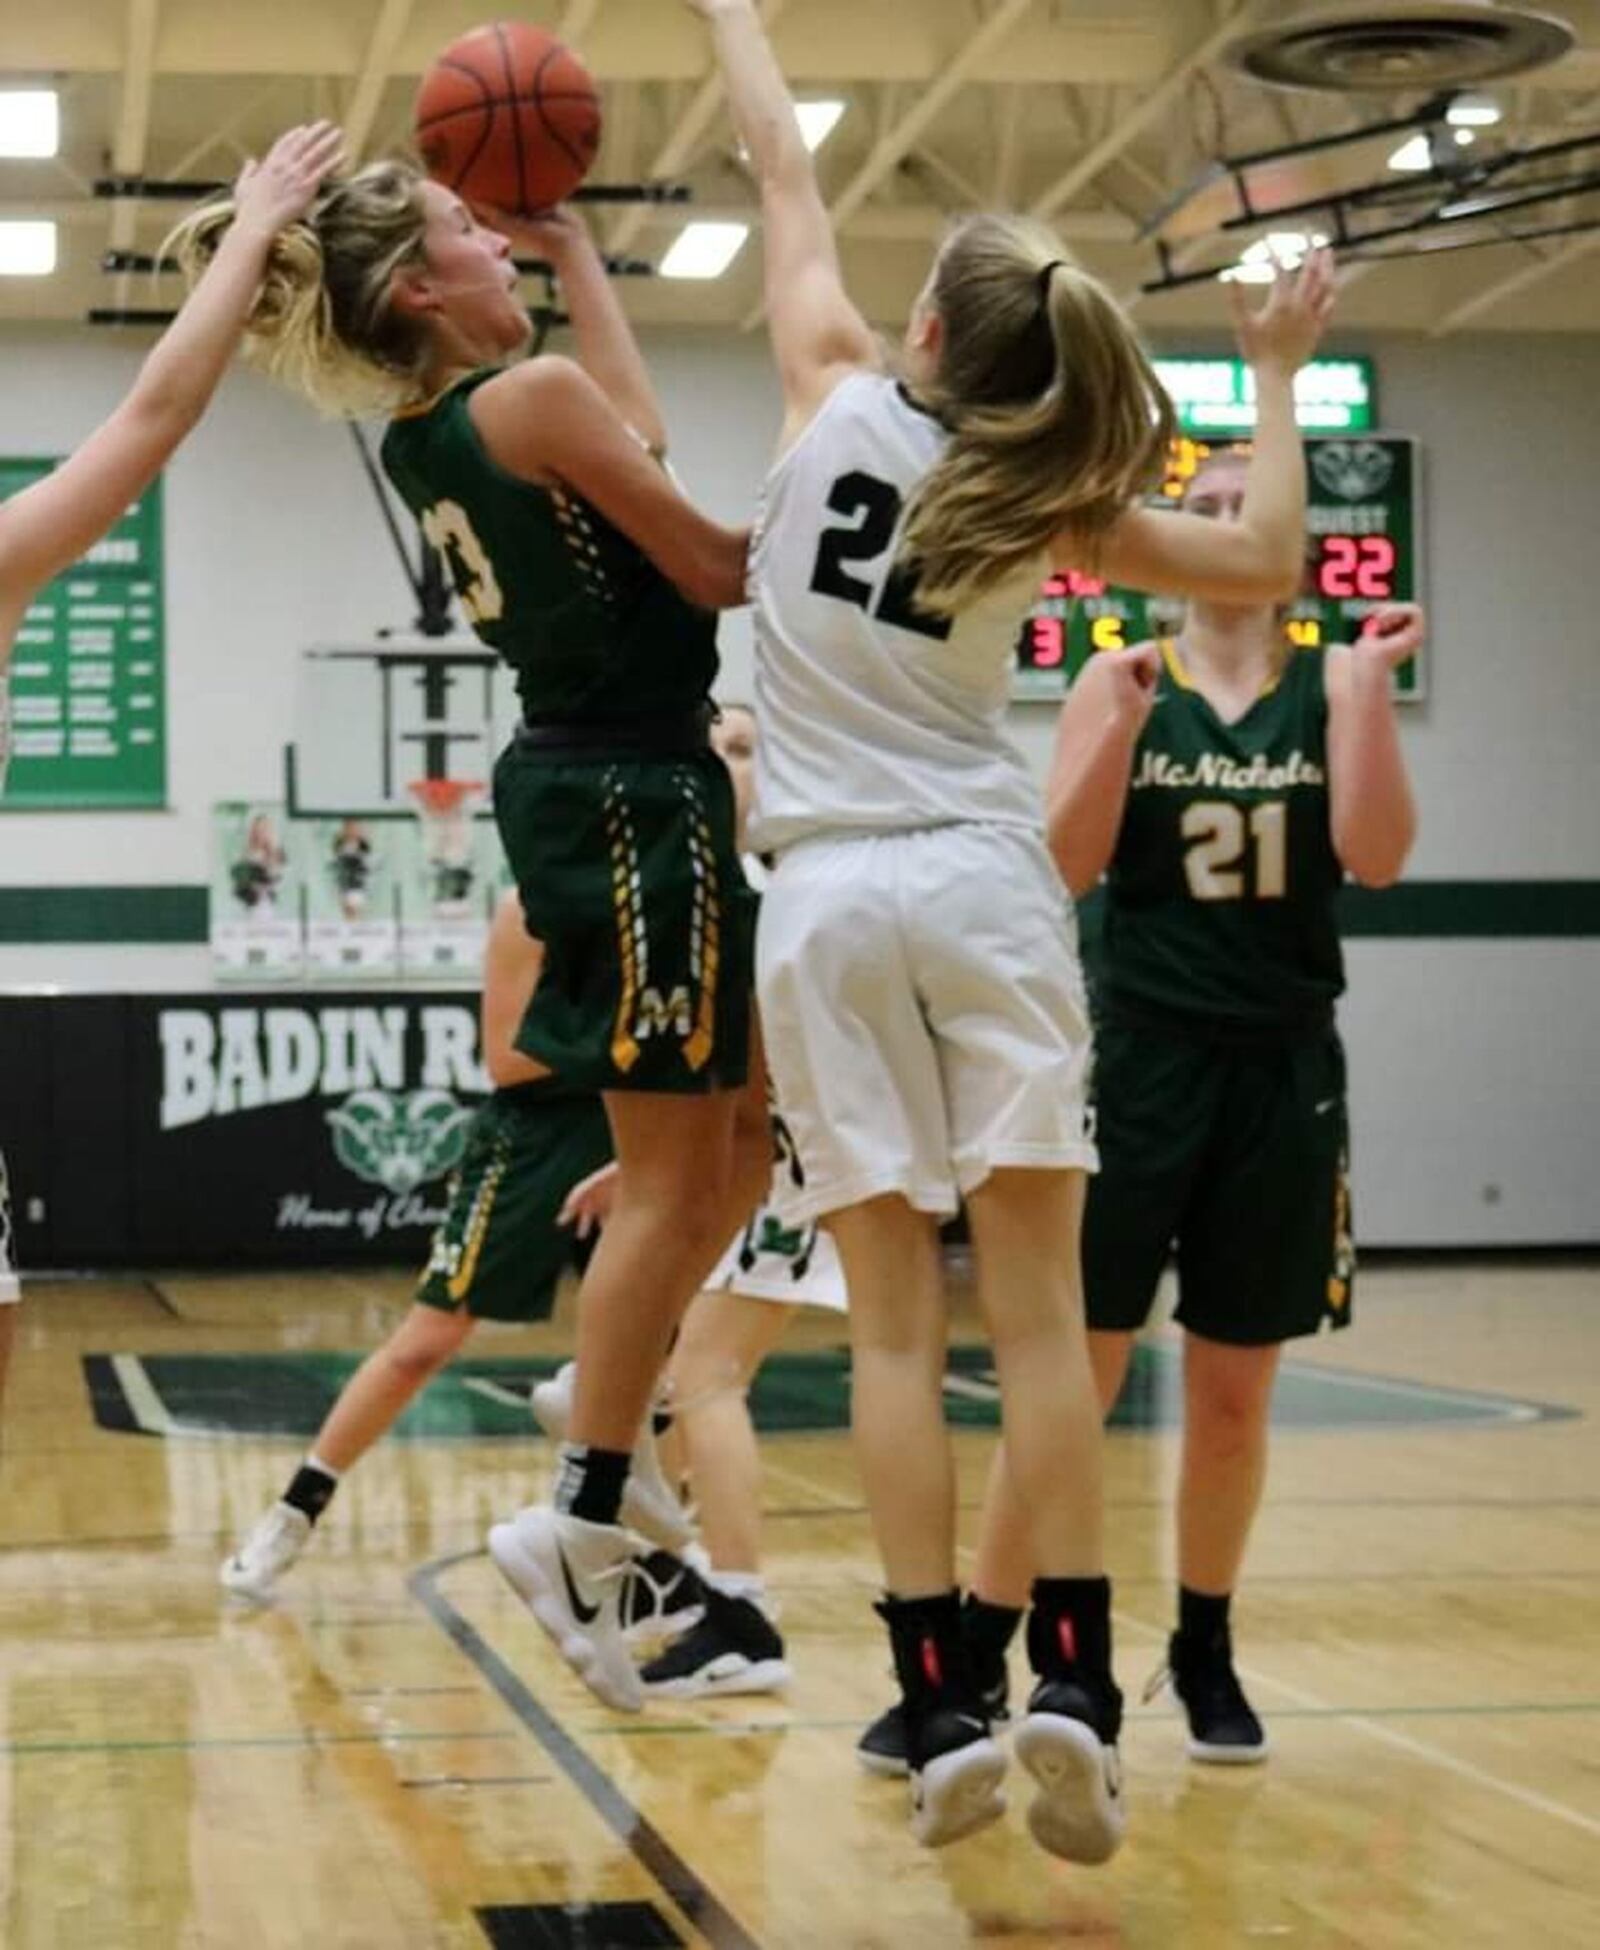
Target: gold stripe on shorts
point(627, 907)
point(705, 940)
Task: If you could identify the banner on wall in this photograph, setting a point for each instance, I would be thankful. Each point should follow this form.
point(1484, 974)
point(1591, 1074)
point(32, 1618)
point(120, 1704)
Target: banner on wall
point(256, 929)
point(350, 871)
point(88, 669)
point(254, 1128)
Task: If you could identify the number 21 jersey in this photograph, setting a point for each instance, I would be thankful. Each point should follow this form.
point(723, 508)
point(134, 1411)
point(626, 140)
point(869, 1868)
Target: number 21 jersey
point(876, 716)
point(1220, 892)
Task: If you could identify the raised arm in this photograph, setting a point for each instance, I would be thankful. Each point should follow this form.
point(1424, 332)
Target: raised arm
point(1087, 789)
point(546, 420)
point(603, 340)
point(1371, 810)
point(818, 336)
point(1260, 557)
point(48, 526)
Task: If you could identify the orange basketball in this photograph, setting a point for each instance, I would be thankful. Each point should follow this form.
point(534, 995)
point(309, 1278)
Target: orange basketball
point(508, 116)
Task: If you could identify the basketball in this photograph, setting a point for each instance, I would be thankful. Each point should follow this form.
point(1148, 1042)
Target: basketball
point(508, 117)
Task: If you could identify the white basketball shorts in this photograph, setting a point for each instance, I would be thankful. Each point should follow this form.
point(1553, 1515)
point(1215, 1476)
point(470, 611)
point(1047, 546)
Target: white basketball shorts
point(10, 1286)
point(778, 1257)
point(924, 1014)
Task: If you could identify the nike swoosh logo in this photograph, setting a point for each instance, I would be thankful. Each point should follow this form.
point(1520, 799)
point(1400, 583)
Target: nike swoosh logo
point(585, 1614)
point(1327, 1104)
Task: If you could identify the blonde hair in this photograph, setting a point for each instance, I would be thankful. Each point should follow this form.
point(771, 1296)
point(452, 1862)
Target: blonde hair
point(1057, 418)
point(324, 321)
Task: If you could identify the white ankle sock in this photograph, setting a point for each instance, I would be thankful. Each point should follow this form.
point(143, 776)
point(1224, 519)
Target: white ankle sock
point(748, 1585)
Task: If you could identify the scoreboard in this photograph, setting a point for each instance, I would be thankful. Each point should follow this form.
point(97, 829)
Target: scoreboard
point(1362, 509)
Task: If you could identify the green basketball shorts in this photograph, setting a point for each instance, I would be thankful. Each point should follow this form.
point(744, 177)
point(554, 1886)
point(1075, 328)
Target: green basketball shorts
point(1235, 1155)
point(498, 1253)
point(630, 876)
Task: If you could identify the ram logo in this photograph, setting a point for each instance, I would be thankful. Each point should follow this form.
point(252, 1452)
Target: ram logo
point(399, 1142)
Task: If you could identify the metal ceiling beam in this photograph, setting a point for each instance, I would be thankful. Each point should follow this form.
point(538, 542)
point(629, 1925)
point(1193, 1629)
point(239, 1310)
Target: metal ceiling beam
point(891, 147)
point(577, 20)
point(1152, 106)
point(697, 118)
point(903, 136)
point(1517, 281)
point(389, 25)
point(132, 139)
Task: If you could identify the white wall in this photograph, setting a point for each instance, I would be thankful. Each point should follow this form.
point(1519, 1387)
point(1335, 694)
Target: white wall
point(1476, 1064)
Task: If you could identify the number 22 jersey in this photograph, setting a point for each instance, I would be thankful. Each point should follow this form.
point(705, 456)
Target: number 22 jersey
point(876, 717)
point(1219, 898)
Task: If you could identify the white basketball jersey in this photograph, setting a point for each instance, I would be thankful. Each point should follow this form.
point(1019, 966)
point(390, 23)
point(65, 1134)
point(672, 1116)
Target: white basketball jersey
point(875, 716)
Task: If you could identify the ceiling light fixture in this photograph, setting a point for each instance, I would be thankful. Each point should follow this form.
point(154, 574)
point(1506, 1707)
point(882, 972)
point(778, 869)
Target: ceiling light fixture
point(1473, 112)
point(1417, 153)
point(27, 250)
point(30, 122)
point(704, 250)
point(1279, 250)
point(818, 120)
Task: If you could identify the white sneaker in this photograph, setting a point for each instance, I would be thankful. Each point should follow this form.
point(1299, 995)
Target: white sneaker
point(277, 1539)
point(1078, 1812)
point(571, 1575)
point(649, 1504)
point(956, 1792)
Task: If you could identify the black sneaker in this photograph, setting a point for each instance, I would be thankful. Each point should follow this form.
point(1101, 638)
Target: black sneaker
point(1223, 1727)
point(662, 1595)
point(734, 1649)
point(1067, 1742)
point(882, 1748)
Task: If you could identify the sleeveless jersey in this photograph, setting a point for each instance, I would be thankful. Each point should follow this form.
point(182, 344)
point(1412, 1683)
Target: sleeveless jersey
point(592, 629)
point(875, 716)
point(1219, 898)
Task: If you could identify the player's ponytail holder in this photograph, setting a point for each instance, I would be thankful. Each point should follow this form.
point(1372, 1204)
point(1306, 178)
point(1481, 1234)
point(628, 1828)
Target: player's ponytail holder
point(1055, 264)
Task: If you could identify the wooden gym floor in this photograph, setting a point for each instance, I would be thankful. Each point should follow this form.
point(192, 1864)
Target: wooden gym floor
point(390, 1756)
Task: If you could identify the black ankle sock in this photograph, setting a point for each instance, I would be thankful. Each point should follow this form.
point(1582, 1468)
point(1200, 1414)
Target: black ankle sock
point(930, 1652)
point(591, 1482)
point(1203, 1620)
point(1070, 1625)
point(310, 1490)
point(989, 1628)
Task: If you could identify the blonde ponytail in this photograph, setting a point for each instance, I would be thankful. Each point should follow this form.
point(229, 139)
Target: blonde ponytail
point(323, 322)
point(1056, 415)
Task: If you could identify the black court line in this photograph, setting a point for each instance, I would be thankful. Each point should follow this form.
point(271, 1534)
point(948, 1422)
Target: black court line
point(645, 1843)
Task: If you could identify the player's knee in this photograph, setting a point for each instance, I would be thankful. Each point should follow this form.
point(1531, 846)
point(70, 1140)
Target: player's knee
point(1231, 1414)
point(418, 1359)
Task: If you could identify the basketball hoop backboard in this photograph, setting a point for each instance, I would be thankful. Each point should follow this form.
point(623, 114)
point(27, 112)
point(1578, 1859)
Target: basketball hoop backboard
point(369, 720)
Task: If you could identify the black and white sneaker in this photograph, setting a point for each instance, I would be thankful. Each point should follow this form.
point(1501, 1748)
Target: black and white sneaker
point(1078, 1812)
point(955, 1769)
point(1223, 1726)
point(882, 1748)
point(733, 1649)
point(662, 1595)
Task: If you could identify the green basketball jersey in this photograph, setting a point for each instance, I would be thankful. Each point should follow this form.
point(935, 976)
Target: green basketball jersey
point(1219, 899)
point(593, 630)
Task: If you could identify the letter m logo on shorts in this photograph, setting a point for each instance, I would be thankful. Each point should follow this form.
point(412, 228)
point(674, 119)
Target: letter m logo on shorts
point(659, 1015)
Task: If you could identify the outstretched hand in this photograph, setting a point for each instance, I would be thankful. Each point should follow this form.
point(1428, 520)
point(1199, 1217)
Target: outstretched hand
point(1130, 677)
point(1391, 635)
point(1284, 331)
point(549, 234)
point(588, 1205)
point(280, 188)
